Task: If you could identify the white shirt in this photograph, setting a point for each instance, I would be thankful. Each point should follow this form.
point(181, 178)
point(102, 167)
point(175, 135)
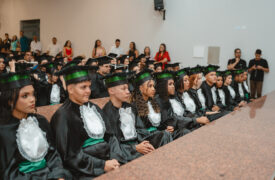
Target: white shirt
point(36, 46)
point(118, 51)
point(54, 49)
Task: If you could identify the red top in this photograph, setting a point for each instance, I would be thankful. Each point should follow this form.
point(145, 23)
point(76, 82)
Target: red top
point(160, 57)
point(68, 53)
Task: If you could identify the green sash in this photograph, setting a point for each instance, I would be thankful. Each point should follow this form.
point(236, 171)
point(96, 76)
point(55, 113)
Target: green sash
point(151, 129)
point(91, 141)
point(27, 166)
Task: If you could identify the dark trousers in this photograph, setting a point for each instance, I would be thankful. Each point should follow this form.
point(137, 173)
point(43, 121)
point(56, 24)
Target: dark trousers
point(256, 87)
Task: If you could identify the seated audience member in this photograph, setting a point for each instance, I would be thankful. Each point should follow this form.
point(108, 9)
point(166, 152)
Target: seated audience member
point(36, 46)
point(132, 52)
point(147, 53)
point(68, 50)
point(7, 42)
point(116, 49)
point(15, 44)
point(162, 55)
point(98, 50)
point(54, 48)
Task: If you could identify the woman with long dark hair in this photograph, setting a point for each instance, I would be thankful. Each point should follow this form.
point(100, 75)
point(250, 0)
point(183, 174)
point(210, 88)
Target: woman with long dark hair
point(229, 92)
point(162, 55)
point(182, 87)
point(68, 50)
point(98, 50)
point(132, 52)
point(2, 64)
point(147, 53)
point(172, 110)
point(221, 94)
point(148, 109)
point(27, 148)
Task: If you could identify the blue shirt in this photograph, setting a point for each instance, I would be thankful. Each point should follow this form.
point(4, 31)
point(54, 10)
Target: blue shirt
point(24, 44)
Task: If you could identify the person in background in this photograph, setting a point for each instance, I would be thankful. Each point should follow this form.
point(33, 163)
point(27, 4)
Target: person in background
point(147, 53)
point(36, 46)
point(257, 67)
point(98, 50)
point(1, 45)
point(54, 48)
point(15, 45)
point(237, 62)
point(68, 50)
point(116, 49)
point(132, 52)
point(162, 55)
point(7, 42)
point(24, 44)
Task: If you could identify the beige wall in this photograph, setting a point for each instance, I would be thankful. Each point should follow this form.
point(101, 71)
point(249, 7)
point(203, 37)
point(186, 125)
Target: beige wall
point(248, 24)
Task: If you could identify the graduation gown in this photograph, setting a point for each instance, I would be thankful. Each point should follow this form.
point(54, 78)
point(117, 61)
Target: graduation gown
point(230, 95)
point(23, 157)
point(246, 91)
point(82, 140)
point(172, 114)
point(221, 95)
point(200, 111)
point(56, 93)
point(129, 129)
point(241, 93)
point(208, 93)
point(98, 88)
point(41, 87)
point(152, 123)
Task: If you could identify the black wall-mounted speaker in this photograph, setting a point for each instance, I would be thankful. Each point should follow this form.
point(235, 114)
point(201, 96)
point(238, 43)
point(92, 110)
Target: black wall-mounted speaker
point(159, 5)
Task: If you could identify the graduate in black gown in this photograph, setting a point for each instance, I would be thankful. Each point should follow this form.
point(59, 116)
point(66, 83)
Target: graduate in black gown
point(238, 86)
point(80, 129)
point(245, 85)
point(194, 99)
point(148, 110)
point(172, 111)
point(158, 67)
point(27, 147)
point(208, 89)
point(55, 91)
point(41, 82)
point(221, 96)
point(182, 86)
point(229, 92)
point(126, 125)
point(98, 87)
